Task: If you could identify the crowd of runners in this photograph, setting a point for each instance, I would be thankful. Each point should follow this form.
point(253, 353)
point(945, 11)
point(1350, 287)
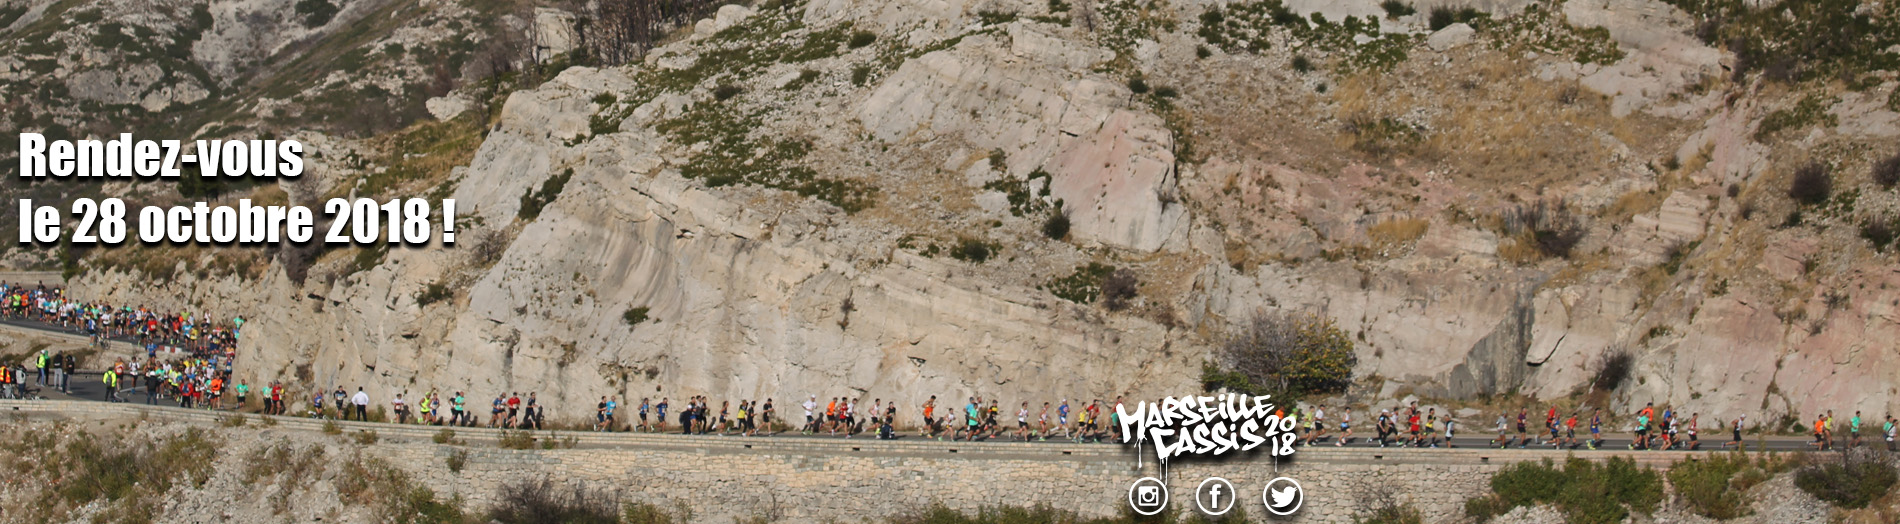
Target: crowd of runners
point(170, 333)
point(188, 359)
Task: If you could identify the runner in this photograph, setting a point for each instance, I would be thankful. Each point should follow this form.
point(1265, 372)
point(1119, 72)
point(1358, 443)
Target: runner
point(1853, 431)
point(1737, 428)
point(1062, 417)
point(1449, 422)
point(1523, 437)
point(930, 430)
point(1693, 443)
point(1570, 431)
point(1820, 433)
point(1042, 424)
point(614, 402)
point(1022, 422)
point(1596, 428)
point(1345, 428)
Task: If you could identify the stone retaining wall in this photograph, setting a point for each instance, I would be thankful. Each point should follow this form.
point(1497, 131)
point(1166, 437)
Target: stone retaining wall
point(821, 480)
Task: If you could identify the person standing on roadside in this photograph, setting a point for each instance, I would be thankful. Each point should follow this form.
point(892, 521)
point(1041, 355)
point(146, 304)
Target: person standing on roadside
point(361, 400)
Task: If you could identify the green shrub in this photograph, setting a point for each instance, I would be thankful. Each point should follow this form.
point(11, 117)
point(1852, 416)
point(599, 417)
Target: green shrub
point(973, 250)
point(532, 202)
point(1118, 288)
point(649, 513)
point(1886, 172)
point(1880, 232)
point(233, 421)
point(1443, 16)
point(1586, 492)
point(726, 91)
point(458, 458)
point(432, 293)
point(1705, 484)
point(517, 440)
point(445, 436)
point(1391, 513)
point(1056, 227)
point(330, 428)
point(539, 501)
point(1811, 184)
point(860, 75)
point(1861, 477)
point(315, 13)
point(1395, 9)
point(1083, 285)
point(634, 316)
point(366, 437)
point(861, 39)
point(1302, 64)
point(1137, 85)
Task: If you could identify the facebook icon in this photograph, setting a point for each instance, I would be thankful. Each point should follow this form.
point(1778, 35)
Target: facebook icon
point(1214, 496)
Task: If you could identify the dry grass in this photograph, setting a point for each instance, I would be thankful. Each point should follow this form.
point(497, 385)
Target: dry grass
point(1494, 123)
point(416, 158)
point(1520, 249)
point(1633, 203)
point(1397, 233)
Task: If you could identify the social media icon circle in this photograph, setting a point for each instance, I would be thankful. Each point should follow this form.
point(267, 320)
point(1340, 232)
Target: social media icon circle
point(1148, 496)
point(1283, 496)
point(1214, 496)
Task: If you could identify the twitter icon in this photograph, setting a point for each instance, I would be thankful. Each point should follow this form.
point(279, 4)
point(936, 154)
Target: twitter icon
point(1283, 496)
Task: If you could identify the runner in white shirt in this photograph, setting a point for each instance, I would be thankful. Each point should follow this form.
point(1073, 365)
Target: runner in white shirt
point(810, 405)
point(1022, 422)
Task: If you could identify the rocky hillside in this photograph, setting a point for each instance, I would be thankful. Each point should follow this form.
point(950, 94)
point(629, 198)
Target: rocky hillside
point(835, 197)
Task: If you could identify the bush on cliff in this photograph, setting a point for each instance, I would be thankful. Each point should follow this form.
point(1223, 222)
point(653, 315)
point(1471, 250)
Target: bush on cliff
point(1287, 354)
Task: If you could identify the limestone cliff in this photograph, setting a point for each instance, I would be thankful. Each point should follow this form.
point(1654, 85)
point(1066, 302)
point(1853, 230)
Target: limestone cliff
point(793, 197)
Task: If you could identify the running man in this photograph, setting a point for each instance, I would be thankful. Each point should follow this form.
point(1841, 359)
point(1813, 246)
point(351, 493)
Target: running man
point(1737, 428)
point(1042, 423)
point(1345, 428)
point(1022, 422)
point(1853, 431)
point(1820, 433)
point(1596, 428)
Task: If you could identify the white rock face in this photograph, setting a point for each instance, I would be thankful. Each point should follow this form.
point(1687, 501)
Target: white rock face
point(1663, 57)
point(1117, 183)
point(1112, 167)
point(446, 108)
point(1450, 37)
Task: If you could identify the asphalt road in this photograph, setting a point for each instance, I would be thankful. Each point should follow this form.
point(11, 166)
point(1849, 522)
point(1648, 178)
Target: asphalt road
point(87, 385)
